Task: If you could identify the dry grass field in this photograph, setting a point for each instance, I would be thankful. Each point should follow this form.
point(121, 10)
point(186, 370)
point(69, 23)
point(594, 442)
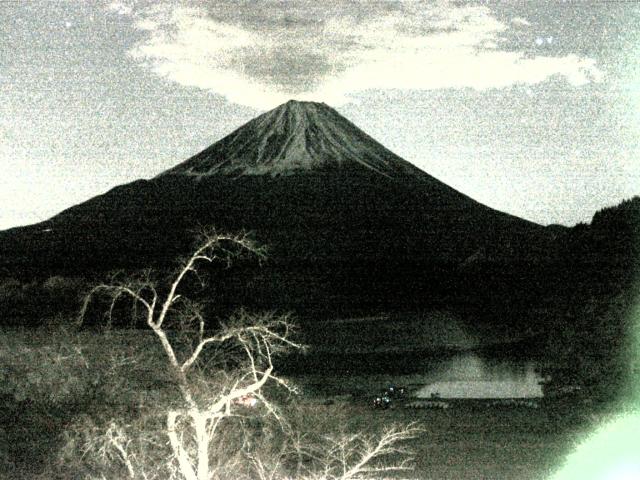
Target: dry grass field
point(53, 377)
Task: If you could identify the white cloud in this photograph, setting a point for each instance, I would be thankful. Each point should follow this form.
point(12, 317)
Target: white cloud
point(266, 58)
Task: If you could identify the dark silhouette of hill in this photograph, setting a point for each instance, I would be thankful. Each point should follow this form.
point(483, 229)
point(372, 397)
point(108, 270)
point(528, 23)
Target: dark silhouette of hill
point(351, 227)
point(592, 293)
point(352, 230)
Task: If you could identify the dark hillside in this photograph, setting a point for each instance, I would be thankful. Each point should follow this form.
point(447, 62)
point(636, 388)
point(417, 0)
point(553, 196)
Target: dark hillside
point(351, 227)
point(351, 230)
point(336, 241)
point(590, 336)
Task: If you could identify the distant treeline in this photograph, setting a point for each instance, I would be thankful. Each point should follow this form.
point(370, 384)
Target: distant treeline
point(590, 328)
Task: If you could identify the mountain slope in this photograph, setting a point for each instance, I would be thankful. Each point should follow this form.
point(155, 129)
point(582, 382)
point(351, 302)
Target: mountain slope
point(351, 227)
point(297, 136)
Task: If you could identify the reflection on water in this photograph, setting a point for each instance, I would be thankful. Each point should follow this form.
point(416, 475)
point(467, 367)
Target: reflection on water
point(470, 375)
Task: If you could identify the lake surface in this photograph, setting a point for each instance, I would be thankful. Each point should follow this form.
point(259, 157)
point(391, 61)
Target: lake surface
point(472, 375)
point(467, 374)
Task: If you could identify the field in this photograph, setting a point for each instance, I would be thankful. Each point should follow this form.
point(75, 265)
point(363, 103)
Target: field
point(482, 439)
point(53, 377)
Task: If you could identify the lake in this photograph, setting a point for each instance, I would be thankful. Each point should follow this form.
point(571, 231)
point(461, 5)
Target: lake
point(465, 374)
point(476, 376)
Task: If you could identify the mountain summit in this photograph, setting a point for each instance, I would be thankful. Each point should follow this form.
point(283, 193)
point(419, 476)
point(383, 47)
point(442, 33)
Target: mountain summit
point(293, 138)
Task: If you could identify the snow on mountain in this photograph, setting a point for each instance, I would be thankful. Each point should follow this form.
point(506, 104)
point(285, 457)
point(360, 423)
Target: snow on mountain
point(294, 137)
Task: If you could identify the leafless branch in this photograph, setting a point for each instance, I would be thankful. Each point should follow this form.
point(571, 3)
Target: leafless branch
point(259, 337)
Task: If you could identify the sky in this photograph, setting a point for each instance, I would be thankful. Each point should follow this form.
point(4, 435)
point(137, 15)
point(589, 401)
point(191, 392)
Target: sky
point(530, 107)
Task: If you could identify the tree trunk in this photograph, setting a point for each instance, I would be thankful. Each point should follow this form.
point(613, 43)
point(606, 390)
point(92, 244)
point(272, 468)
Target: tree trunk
point(199, 420)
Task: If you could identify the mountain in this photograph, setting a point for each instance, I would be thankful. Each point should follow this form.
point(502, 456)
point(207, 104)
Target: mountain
point(351, 228)
point(296, 137)
point(382, 264)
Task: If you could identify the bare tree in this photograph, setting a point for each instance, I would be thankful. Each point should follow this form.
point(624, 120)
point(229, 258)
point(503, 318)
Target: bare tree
point(251, 342)
point(258, 337)
point(356, 456)
point(359, 456)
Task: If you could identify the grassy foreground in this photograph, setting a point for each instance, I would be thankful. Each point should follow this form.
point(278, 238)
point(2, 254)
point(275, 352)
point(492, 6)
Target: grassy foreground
point(54, 378)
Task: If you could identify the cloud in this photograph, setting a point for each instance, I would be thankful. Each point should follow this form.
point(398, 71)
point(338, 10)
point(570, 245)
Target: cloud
point(261, 54)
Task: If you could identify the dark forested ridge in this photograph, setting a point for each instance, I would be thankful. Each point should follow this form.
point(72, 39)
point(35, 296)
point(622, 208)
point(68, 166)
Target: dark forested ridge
point(590, 329)
point(338, 243)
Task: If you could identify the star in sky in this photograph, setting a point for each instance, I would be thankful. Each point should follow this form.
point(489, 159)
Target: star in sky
point(542, 40)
